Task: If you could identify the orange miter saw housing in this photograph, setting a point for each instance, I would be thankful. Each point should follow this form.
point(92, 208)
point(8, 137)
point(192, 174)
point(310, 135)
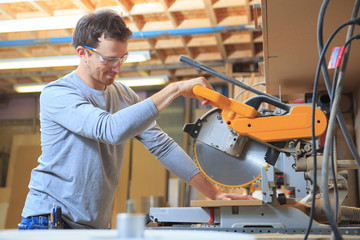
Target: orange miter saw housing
point(245, 119)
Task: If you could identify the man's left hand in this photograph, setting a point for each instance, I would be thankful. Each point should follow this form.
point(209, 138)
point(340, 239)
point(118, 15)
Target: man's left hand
point(233, 196)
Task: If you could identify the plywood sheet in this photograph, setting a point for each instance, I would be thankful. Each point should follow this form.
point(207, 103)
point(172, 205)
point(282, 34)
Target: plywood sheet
point(148, 176)
point(290, 44)
point(121, 194)
point(4, 205)
point(23, 158)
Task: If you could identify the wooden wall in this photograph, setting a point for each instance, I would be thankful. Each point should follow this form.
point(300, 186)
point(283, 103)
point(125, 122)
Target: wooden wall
point(24, 154)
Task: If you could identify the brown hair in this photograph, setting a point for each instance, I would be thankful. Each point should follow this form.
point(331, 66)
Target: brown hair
point(92, 26)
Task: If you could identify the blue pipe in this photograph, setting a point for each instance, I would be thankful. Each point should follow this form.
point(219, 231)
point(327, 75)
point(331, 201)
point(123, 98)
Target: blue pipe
point(136, 35)
point(189, 31)
point(30, 42)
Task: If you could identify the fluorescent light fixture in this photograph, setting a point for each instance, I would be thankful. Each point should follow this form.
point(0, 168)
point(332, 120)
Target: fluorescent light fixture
point(37, 62)
point(130, 82)
point(29, 87)
point(43, 23)
point(138, 56)
point(13, 1)
point(37, 24)
point(144, 81)
point(59, 61)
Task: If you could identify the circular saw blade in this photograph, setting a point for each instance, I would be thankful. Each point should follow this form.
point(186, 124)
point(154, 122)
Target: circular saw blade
point(227, 168)
point(229, 171)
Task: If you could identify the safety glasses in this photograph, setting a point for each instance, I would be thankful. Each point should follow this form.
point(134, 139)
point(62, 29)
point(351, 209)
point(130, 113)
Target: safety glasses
point(104, 60)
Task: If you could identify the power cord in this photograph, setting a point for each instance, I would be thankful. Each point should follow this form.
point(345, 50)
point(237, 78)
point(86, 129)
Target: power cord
point(320, 40)
point(329, 135)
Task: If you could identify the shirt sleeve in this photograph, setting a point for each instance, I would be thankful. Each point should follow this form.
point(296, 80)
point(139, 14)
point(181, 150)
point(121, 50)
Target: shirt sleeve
point(168, 152)
point(64, 104)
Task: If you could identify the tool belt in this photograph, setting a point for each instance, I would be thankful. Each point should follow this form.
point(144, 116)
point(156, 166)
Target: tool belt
point(52, 220)
point(39, 222)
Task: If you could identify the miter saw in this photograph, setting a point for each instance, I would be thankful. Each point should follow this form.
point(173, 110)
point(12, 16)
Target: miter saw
point(235, 144)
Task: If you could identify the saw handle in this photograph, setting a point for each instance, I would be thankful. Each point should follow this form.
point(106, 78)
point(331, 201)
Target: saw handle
point(256, 101)
point(220, 101)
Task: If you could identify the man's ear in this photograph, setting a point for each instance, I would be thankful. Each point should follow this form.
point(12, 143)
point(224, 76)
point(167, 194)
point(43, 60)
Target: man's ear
point(82, 53)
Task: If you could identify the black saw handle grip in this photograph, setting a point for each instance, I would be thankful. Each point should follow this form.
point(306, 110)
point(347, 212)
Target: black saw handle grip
point(198, 66)
point(256, 101)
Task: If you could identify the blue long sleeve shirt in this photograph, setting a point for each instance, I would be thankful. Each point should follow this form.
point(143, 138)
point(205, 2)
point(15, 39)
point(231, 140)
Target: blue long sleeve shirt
point(83, 136)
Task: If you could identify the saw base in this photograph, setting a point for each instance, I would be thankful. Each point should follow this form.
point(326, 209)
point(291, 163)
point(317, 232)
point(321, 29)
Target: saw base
point(223, 203)
point(245, 219)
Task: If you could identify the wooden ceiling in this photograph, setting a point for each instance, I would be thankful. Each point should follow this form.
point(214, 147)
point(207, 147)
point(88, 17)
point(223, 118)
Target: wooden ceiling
point(215, 32)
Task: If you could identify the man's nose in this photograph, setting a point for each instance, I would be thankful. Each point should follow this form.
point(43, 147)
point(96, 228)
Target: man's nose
point(116, 67)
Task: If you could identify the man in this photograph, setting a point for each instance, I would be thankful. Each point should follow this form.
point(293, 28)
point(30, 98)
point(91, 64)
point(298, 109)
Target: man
point(86, 119)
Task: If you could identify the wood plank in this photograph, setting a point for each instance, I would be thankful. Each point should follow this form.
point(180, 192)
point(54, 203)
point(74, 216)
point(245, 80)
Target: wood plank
point(146, 8)
point(223, 203)
point(157, 26)
point(229, 3)
point(4, 205)
point(186, 5)
point(23, 158)
point(233, 20)
point(200, 41)
point(122, 191)
point(148, 176)
point(195, 23)
point(84, 5)
point(210, 56)
point(19, 141)
point(169, 43)
point(4, 194)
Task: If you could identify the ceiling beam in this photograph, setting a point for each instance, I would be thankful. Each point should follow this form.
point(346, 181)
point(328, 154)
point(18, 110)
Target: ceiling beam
point(146, 8)
point(213, 21)
point(7, 13)
point(186, 5)
point(175, 25)
point(248, 9)
point(42, 8)
point(11, 80)
point(150, 43)
point(24, 51)
point(37, 79)
point(84, 5)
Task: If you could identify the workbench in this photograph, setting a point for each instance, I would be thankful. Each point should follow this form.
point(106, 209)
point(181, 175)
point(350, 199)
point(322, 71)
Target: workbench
point(151, 234)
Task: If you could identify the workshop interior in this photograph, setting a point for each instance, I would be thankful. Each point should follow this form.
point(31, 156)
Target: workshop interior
point(283, 124)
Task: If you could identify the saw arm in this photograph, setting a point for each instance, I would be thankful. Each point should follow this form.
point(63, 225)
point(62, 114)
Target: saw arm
point(245, 120)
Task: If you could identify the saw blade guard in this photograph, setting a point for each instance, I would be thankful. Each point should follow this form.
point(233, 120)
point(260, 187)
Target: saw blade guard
point(295, 123)
point(221, 154)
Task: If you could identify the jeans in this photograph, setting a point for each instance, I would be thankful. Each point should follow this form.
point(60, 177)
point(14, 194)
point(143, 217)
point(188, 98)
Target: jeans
point(37, 223)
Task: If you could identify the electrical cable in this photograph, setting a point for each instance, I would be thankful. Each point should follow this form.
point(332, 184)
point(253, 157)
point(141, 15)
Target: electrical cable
point(312, 209)
point(330, 139)
point(330, 89)
point(324, 168)
point(333, 172)
point(321, 44)
point(339, 116)
point(333, 165)
point(341, 76)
